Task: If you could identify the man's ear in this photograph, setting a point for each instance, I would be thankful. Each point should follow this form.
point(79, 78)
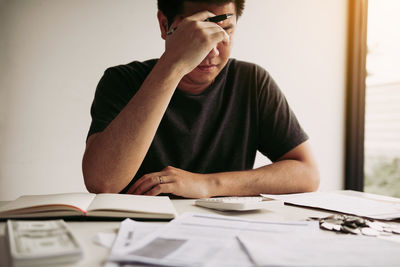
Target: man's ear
point(163, 22)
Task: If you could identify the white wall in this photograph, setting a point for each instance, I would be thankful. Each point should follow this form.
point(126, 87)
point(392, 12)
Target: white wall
point(53, 52)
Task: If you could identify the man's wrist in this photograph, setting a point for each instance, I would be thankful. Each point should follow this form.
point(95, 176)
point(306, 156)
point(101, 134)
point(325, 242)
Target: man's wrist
point(176, 67)
point(213, 184)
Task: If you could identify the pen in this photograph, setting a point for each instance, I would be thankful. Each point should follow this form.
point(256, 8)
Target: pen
point(211, 19)
point(245, 249)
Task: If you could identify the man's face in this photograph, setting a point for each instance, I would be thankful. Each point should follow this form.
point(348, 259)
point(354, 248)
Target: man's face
point(204, 74)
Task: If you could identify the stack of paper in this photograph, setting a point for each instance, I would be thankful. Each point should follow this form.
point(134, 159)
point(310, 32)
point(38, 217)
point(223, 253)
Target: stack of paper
point(210, 240)
point(197, 240)
point(299, 249)
point(365, 205)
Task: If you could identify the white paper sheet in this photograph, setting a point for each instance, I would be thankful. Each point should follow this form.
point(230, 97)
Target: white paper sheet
point(138, 229)
point(355, 205)
point(198, 240)
point(130, 232)
point(299, 249)
point(104, 239)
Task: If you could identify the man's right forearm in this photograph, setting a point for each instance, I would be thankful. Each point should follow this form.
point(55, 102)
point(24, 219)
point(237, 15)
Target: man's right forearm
point(113, 156)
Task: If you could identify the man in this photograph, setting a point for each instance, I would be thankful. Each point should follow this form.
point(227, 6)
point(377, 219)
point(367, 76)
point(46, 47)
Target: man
point(189, 124)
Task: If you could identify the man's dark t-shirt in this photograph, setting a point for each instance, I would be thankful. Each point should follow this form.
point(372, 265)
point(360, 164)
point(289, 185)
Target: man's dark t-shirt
point(218, 130)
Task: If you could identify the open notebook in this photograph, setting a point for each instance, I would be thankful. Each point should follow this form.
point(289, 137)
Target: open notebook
point(90, 205)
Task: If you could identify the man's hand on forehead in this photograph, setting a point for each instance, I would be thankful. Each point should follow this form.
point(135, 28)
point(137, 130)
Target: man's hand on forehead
point(199, 16)
point(191, 39)
point(211, 17)
point(199, 21)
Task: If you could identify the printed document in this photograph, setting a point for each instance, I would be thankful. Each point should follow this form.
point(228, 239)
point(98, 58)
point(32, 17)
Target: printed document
point(299, 249)
point(356, 205)
point(197, 240)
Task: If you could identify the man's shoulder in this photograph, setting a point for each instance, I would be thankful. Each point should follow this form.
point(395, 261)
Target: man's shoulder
point(125, 78)
point(251, 77)
point(141, 68)
point(242, 66)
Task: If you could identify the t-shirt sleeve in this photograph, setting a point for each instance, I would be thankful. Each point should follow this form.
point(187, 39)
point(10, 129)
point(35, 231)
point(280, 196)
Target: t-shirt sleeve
point(280, 131)
point(113, 92)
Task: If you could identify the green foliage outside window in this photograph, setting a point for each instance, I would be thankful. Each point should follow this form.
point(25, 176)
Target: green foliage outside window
point(383, 177)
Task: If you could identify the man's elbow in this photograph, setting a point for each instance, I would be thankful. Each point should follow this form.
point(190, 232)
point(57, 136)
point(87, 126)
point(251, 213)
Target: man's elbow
point(96, 186)
point(97, 189)
point(95, 183)
point(313, 179)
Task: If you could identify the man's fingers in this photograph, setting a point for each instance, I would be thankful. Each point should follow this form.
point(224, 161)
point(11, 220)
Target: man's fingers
point(219, 35)
point(201, 16)
point(215, 35)
point(137, 184)
point(147, 183)
point(158, 189)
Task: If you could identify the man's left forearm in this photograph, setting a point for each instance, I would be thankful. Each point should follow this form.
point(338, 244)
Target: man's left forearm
point(282, 177)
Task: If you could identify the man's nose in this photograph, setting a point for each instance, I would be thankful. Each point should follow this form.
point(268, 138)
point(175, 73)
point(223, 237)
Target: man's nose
point(213, 53)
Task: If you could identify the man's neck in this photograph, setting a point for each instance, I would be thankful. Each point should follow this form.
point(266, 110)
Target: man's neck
point(192, 88)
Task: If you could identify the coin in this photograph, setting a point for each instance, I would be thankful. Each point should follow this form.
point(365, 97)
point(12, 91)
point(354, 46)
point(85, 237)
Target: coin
point(327, 226)
point(350, 219)
point(351, 224)
point(375, 225)
point(396, 231)
point(350, 230)
point(387, 229)
point(360, 222)
point(334, 221)
point(337, 227)
point(369, 231)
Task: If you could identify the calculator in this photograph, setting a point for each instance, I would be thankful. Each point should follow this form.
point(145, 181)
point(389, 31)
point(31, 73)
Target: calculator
point(238, 203)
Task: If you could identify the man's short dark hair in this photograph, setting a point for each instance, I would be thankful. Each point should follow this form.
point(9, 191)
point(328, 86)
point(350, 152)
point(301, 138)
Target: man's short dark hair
point(172, 8)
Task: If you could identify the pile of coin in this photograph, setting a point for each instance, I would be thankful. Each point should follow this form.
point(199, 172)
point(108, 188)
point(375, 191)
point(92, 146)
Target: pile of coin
point(357, 225)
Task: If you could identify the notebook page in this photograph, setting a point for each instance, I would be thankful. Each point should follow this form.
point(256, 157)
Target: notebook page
point(132, 203)
point(78, 200)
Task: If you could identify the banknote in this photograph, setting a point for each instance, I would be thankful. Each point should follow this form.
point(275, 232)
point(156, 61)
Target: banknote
point(42, 240)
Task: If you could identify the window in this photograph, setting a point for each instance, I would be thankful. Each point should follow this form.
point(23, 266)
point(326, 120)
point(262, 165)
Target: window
point(382, 99)
point(373, 94)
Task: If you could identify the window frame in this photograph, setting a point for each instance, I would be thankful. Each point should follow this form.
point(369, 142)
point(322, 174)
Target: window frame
point(355, 95)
